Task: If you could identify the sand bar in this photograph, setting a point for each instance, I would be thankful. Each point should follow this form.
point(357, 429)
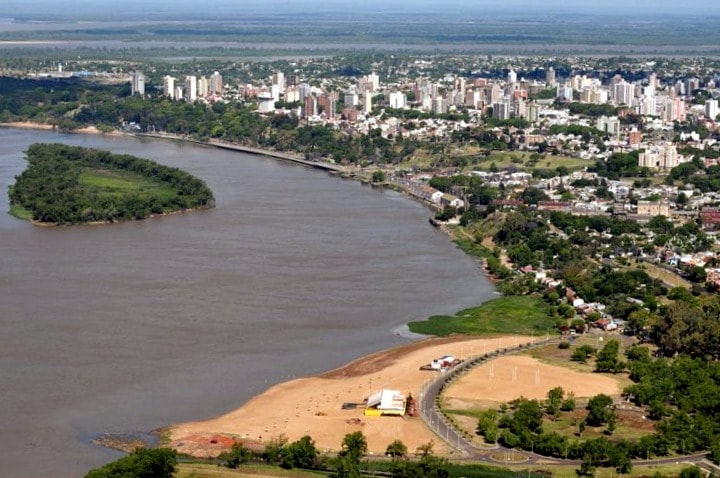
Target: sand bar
point(313, 406)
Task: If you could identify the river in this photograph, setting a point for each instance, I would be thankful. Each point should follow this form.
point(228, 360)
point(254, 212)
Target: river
point(128, 327)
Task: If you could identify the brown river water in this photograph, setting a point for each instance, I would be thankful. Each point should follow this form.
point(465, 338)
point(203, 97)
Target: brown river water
point(125, 328)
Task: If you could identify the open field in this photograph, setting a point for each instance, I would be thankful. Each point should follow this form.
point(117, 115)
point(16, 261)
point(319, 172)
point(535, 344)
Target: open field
point(637, 471)
point(522, 161)
point(506, 315)
point(106, 182)
point(197, 470)
point(531, 375)
point(510, 377)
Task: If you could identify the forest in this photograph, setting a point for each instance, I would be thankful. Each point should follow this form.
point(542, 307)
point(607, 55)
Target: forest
point(71, 185)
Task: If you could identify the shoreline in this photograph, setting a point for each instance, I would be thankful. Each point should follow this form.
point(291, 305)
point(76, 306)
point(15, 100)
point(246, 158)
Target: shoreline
point(107, 223)
point(318, 405)
point(357, 368)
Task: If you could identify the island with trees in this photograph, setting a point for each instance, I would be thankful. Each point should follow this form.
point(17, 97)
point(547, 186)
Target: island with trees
point(75, 185)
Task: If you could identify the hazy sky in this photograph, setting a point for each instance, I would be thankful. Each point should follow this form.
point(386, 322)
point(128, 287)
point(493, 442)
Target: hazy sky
point(205, 8)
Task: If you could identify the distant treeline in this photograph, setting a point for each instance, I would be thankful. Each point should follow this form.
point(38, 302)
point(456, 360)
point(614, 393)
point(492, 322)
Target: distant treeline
point(51, 188)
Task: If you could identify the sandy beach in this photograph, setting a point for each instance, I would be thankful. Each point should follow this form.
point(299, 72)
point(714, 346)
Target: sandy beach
point(313, 406)
point(49, 127)
point(28, 125)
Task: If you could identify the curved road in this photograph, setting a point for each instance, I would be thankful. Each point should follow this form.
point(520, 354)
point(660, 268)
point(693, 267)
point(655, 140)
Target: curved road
point(433, 417)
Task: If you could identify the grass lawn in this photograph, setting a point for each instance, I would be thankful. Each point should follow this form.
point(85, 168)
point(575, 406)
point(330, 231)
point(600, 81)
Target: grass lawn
point(201, 470)
point(20, 212)
point(107, 182)
point(456, 470)
point(522, 161)
point(637, 471)
point(524, 315)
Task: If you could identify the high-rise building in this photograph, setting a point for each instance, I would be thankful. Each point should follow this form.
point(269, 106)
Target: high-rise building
point(278, 79)
point(565, 92)
point(439, 106)
point(372, 82)
point(472, 98)
point(501, 110)
point(351, 98)
point(310, 107)
point(216, 84)
point(203, 87)
point(611, 125)
point(190, 89)
point(550, 76)
point(663, 157)
point(367, 102)
point(624, 93)
point(304, 89)
point(397, 100)
point(326, 102)
point(137, 83)
point(711, 109)
point(492, 93)
point(292, 80)
point(169, 87)
point(532, 112)
point(512, 77)
point(653, 81)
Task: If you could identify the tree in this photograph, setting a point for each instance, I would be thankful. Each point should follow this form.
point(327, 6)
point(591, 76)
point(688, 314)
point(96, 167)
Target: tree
point(691, 472)
point(396, 449)
point(354, 444)
point(378, 176)
point(237, 455)
point(607, 358)
point(487, 425)
point(568, 404)
point(347, 463)
point(426, 448)
point(599, 410)
point(141, 463)
point(273, 450)
point(554, 401)
point(299, 454)
point(533, 196)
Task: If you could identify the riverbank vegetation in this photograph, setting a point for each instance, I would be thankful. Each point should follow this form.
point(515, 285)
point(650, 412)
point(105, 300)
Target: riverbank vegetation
point(301, 458)
point(526, 315)
point(71, 185)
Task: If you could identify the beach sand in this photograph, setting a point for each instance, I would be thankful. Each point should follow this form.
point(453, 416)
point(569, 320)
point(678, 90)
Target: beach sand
point(313, 406)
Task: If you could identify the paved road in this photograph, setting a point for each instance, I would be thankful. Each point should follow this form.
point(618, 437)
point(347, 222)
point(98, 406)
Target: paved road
point(433, 417)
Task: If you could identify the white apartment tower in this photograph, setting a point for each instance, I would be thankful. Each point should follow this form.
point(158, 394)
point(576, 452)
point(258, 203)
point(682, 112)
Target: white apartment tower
point(367, 102)
point(190, 89)
point(373, 81)
point(624, 93)
point(203, 87)
point(216, 84)
point(397, 100)
point(137, 83)
point(278, 79)
point(711, 109)
point(169, 87)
